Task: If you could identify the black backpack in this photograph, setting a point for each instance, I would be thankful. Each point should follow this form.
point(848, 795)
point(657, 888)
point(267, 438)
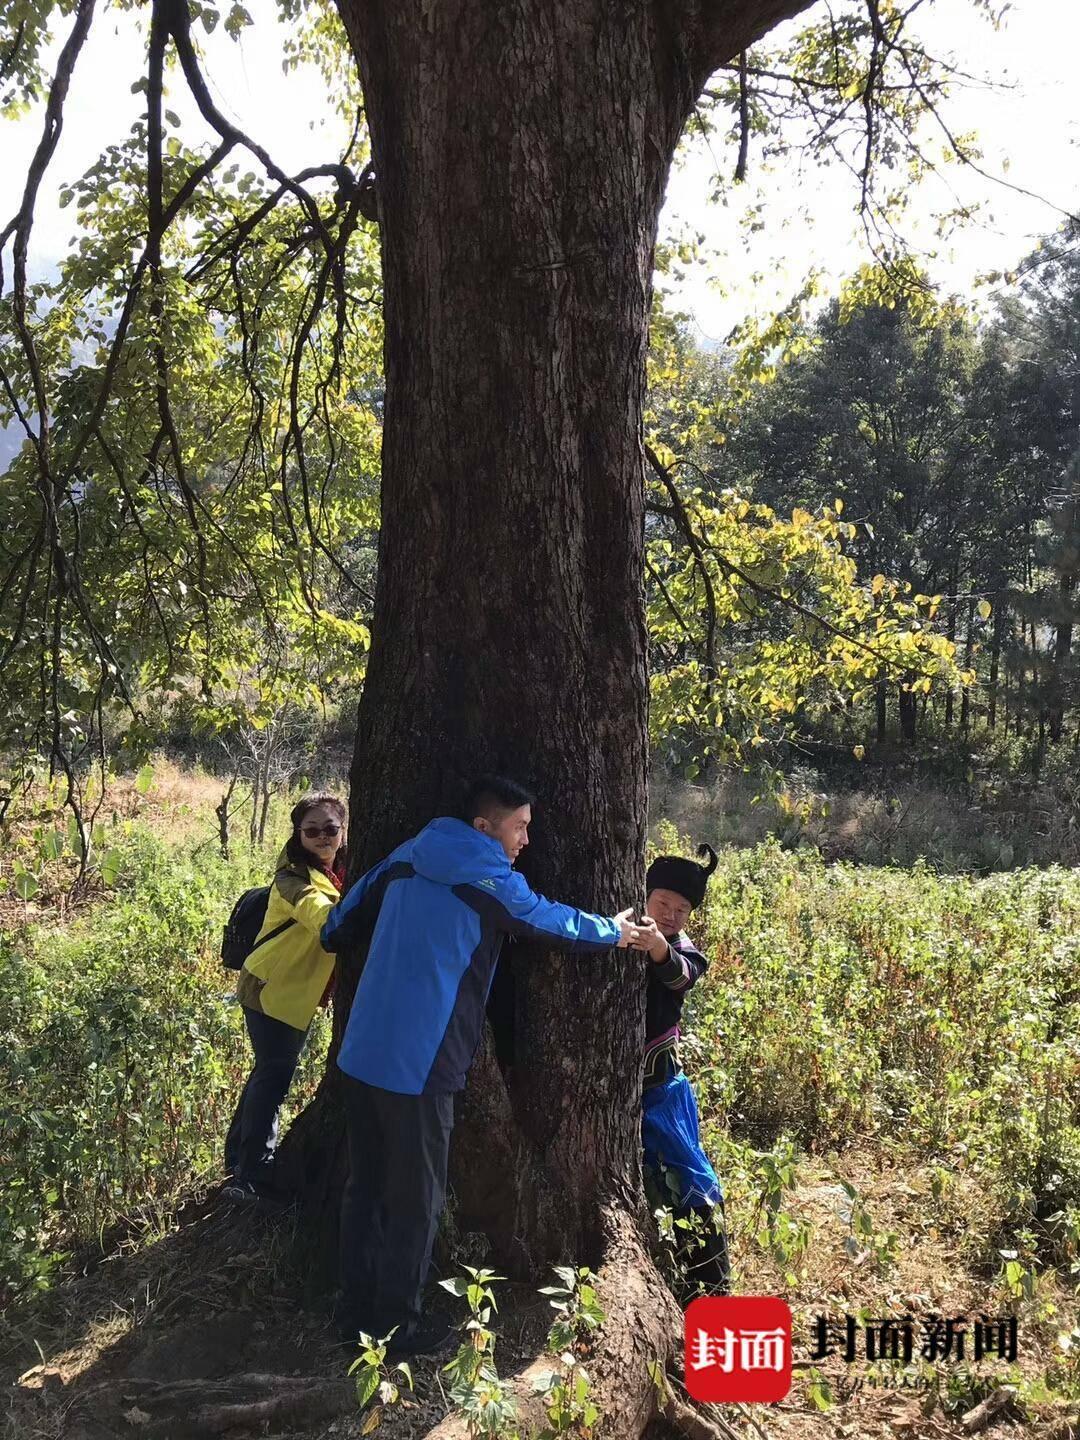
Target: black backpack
point(241, 932)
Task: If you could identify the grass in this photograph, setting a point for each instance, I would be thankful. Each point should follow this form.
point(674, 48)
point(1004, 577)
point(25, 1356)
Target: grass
point(971, 822)
point(122, 1056)
point(887, 1061)
point(888, 1069)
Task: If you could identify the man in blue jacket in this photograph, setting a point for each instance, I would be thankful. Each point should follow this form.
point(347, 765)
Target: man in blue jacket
point(436, 911)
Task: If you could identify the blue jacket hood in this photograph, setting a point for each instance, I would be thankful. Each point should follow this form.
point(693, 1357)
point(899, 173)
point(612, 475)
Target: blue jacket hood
point(452, 853)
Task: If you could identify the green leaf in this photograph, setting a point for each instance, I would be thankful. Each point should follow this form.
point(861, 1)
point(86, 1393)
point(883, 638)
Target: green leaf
point(144, 779)
point(367, 1382)
point(237, 19)
point(111, 866)
point(26, 885)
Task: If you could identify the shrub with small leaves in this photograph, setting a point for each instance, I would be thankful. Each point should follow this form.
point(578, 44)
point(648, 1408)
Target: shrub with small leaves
point(480, 1395)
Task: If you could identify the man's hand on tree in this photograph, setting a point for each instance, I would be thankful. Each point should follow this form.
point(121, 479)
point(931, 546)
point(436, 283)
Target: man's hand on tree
point(630, 931)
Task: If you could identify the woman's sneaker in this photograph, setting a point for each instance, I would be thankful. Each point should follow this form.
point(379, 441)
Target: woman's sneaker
point(249, 1192)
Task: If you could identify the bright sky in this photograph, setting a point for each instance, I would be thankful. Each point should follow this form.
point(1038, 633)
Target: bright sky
point(1029, 133)
point(1028, 128)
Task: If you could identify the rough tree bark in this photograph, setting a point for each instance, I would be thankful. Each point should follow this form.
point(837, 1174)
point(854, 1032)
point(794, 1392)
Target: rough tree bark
point(521, 153)
point(909, 714)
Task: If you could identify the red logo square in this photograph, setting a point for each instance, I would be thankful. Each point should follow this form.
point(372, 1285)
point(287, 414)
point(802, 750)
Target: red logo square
point(738, 1348)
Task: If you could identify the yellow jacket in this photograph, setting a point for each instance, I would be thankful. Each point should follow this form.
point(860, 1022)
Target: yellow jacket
point(287, 976)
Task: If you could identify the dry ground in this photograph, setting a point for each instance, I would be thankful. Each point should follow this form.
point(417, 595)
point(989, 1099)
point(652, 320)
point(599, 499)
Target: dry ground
point(215, 1296)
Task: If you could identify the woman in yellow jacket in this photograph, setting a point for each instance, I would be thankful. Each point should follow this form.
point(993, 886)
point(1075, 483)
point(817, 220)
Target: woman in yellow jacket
point(283, 981)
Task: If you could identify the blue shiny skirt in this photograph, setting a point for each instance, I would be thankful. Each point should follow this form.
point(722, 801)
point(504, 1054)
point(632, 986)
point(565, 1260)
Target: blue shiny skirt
point(671, 1137)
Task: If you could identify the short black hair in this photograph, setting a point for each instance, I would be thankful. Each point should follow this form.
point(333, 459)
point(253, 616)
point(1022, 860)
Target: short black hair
point(489, 795)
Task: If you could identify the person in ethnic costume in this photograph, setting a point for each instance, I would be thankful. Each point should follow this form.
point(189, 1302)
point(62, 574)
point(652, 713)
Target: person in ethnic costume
point(677, 1170)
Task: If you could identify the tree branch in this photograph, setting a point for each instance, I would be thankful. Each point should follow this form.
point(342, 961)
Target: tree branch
point(727, 27)
point(703, 570)
point(744, 120)
point(787, 601)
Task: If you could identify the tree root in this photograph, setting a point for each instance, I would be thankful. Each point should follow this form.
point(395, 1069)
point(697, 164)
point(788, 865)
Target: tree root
point(639, 1342)
point(188, 1409)
point(633, 1367)
point(687, 1421)
point(995, 1406)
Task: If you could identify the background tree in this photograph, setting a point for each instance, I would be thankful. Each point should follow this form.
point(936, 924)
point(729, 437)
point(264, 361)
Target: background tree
point(761, 626)
point(878, 411)
point(1036, 339)
point(197, 483)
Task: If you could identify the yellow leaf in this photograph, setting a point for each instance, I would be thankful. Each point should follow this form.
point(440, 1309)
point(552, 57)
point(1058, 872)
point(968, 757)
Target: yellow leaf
point(985, 609)
point(859, 752)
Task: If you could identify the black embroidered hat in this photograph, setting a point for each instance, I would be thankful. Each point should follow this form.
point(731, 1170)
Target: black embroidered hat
point(685, 877)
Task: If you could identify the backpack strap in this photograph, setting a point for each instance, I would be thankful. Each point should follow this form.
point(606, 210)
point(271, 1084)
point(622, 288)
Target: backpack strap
point(271, 934)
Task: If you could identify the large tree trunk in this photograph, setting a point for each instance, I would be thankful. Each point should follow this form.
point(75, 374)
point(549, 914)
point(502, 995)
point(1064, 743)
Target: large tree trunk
point(521, 153)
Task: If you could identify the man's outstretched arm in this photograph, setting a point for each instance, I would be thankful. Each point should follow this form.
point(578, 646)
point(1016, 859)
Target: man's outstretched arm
point(519, 911)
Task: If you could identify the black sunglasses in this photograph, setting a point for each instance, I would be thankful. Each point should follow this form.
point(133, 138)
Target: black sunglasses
point(312, 832)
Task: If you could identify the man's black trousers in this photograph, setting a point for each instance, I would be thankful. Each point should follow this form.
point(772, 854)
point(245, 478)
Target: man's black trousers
point(395, 1193)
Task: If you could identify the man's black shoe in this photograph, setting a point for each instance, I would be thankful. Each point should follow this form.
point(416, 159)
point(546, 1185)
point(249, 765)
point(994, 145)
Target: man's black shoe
point(430, 1337)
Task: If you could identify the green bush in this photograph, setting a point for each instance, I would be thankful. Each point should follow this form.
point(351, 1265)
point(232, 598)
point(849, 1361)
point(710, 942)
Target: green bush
point(121, 1060)
point(940, 1012)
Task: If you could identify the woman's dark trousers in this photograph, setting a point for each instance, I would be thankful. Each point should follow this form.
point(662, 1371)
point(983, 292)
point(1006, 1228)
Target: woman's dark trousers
point(705, 1252)
point(253, 1134)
